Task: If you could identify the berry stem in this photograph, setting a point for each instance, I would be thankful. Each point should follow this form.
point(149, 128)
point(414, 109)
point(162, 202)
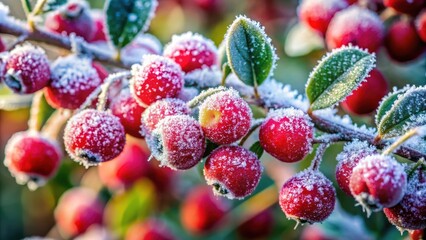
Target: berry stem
point(34, 123)
point(225, 73)
point(329, 138)
point(111, 79)
point(55, 122)
point(253, 128)
point(38, 9)
point(418, 165)
point(203, 95)
point(316, 162)
point(26, 5)
point(400, 141)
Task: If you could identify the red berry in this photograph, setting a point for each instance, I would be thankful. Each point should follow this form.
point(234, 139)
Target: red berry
point(99, 25)
point(74, 17)
point(225, 117)
point(157, 78)
point(257, 227)
point(201, 210)
point(405, 6)
point(2, 46)
point(362, 101)
point(163, 178)
point(32, 158)
point(355, 25)
point(402, 41)
point(378, 182)
point(307, 197)
point(159, 110)
point(315, 232)
point(177, 142)
point(143, 44)
point(131, 165)
point(73, 80)
point(352, 153)
point(191, 51)
point(149, 230)
point(100, 70)
point(26, 69)
point(287, 134)
point(125, 107)
point(317, 14)
point(233, 171)
point(410, 212)
point(417, 234)
point(421, 25)
point(77, 210)
point(92, 137)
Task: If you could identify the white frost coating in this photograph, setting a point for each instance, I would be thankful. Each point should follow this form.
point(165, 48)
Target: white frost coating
point(190, 43)
point(204, 77)
point(4, 12)
point(234, 82)
point(143, 44)
point(275, 94)
point(188, 93)
point(352, 150)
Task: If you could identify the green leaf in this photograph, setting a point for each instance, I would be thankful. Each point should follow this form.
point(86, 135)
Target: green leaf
point(210, 147)
point(386, 104)
point(337, 75)
point(126, 18)
point(257, 149)
point(250, 53)
point(408, 110)
point(52, 5)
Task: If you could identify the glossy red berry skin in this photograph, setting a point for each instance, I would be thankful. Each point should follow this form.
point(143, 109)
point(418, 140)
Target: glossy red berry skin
point(32, 158)
point(421, 25)
point(73, 79)
point(131, 165)
point(307, 197)
point(233, 171)
point(159, 110)
point(402, 42)
point(77, 210)
point(201, 210)
point(317, 14)
point(405, 6)
point(177, 142)
point(157, 78)
point(361, 101)
point(257, 227)
point(26, 69)
point(287, 134)
point(225, 117)
point(92, 137)
point(368, 186)
point(355, 25)
point(99, 34)
point(149, 230)
point(191, 51)
point(352, 153)
point(74, 17)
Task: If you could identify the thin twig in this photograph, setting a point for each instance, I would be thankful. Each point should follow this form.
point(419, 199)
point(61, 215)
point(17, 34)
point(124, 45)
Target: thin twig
point(316, 162)
point(34, 123)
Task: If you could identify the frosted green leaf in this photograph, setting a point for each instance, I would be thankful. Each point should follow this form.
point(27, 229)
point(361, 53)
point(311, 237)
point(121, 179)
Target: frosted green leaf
point(386, 104)
point(337, 75)
point(126, 18)
point(52, 5)
point(407, 111)
point(257, 149)
point(250, 53)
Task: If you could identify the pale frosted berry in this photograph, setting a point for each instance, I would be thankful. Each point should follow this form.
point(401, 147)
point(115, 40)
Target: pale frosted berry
point(307, 197)
point(159, 110)
point(150, 229)
point(355, 25)
point(201, 210)
point(421, 25)
point(257, 227)
point(233, 171)
point(352, 153)
point(99, 34)
point(125, 107)
point(317, 14)
point(26, 69)
point(287, 134)
point(177, 142)
point(32, 158)
point(157, 78)
point(143, 44)
point(92, 137)
point(225, 117)
point(73, 79)
point(191, 51)
point(405, 6)
point(378, 182)
point(77, 210)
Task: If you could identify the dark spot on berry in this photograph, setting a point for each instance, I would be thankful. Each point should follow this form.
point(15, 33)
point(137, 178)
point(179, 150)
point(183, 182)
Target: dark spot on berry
point(13, 82)
point(220, 189)
point(88, 157)
point(158, 144)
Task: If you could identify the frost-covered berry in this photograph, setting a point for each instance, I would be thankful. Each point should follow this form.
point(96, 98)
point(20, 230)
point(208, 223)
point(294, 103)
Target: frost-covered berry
point(417, 234)
point(352, 153)
point(74, 17)
point(131, 165)
point(159, 110)
point(26, 69)
point(307, 197)
point(100, 70)
point(355, 25)
point(410, 212)
point(402, 41)
point(157, 78)
point(177, 142)
point(150, 229)
point(362, 101)
point(32, 158)
point(257, 227)
point(191, 51)
point(287, 134)
point(317, 14)
point(92, 137)
point(233, 171)
point(73, 79)
point(125, 107)
point(2, 46)
point(99, 34)
point(201, 210)
point(225, 117)
point(378, 182)
point(77, 210)
point(421, 25)
point(143, 44)
point(405, 6)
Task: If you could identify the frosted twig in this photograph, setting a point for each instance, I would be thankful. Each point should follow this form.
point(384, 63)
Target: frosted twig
point(316, 162)
point(34, 123)
point(253, 128)
point(55, 122)
point(111, 79)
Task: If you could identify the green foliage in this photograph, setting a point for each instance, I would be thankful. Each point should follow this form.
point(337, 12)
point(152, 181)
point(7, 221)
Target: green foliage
point(257, 149)
point(52, 5)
